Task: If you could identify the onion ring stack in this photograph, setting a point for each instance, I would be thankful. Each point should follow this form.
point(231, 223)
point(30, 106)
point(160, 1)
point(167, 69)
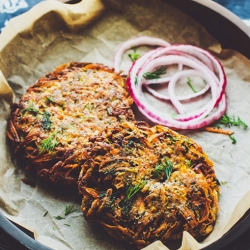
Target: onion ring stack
point(191, 61)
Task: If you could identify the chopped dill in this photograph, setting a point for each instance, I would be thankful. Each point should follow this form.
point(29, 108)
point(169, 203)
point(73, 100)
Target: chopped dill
point(46, 122)
point(49, 144)
point(49, 99)
point(136, 80)
point(159, 169)
point(133, 190)
point(88, 106)
point(191, 85)
point(188, 162)
point(230, 121)
point(165, 167)
point(58, 217)
point(45, 214)
point(134, 56)
point(31, 109)
point(233, 139)
point(110, 171)
point(171, 138)
point(156, 73)
point(69, 209)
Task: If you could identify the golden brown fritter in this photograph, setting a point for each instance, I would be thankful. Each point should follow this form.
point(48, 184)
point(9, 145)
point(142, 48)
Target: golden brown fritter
point(144, 184)
point(52, 123)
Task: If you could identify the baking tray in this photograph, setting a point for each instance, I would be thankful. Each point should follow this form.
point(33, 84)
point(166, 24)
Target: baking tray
point(232, 33)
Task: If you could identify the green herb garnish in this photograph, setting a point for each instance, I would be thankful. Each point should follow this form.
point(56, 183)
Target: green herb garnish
point(49, 144)
point(133, 190)
point(165, 167)
point(45, 213)
point(68, 225)
point(232, 121)
point(110, 171)
point(156, 73)
point(46, 122)
point(69, 209)
point(134, 56)
point(136, 80)
point(58, 217)
point(49, 99)
point(188, 162)
point(190, 85)
point(233, 139)
point(171, 138)
point(31, 109)
point(88, 106)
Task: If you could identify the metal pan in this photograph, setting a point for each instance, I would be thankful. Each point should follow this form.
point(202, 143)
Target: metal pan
point(232, 33)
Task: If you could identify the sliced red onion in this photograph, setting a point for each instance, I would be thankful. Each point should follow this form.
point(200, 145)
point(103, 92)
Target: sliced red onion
point(217, 64)
point(191, 61)
point(169, 60)
point(180, 98)
point(134, 42)
point(170, 121)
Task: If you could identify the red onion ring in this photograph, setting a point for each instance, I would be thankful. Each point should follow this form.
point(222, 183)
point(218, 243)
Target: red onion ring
point(180, 98)
point(133, 42)
point(191, 61)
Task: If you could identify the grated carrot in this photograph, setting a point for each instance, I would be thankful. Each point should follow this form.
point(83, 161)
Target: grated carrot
point(218, 130)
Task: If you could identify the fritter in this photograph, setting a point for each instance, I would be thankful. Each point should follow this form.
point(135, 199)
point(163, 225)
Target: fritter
point(144, 184)
point(53, 121)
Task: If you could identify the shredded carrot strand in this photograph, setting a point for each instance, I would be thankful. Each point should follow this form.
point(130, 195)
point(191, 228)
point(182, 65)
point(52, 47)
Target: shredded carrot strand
point(218, 130)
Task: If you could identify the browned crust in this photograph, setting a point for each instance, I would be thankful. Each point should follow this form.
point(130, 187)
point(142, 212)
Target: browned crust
point(162, 208)
point(76, 101)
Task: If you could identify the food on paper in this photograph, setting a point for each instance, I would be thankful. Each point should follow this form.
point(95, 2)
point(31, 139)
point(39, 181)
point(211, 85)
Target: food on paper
point(55, 118)
point(146, 183)
point(75, 127)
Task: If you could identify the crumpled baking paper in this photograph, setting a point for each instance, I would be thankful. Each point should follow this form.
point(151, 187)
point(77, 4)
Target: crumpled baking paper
point(53, 33)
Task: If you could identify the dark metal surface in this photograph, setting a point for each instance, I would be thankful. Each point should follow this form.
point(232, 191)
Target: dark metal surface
point(230, 36)
point(224, 30)
point(13, 238)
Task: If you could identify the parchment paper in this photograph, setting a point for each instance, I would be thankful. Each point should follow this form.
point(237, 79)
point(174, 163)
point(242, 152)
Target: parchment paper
point(53, 33)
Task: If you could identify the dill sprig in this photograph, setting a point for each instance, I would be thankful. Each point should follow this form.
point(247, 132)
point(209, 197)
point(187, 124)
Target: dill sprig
point(136, 80)
point(49, 99)
point(230, 121)
point(233, 139)
point(69, 209)
point(59, 217)
point(31, 109)
point(49, 144)
point(133, 190)
point(134, 56)
point(46, 122)
point(165, 167)
point(88, 106)
point(159, 169)
point(45, 214)
point(156, 73)
point(191, 85)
